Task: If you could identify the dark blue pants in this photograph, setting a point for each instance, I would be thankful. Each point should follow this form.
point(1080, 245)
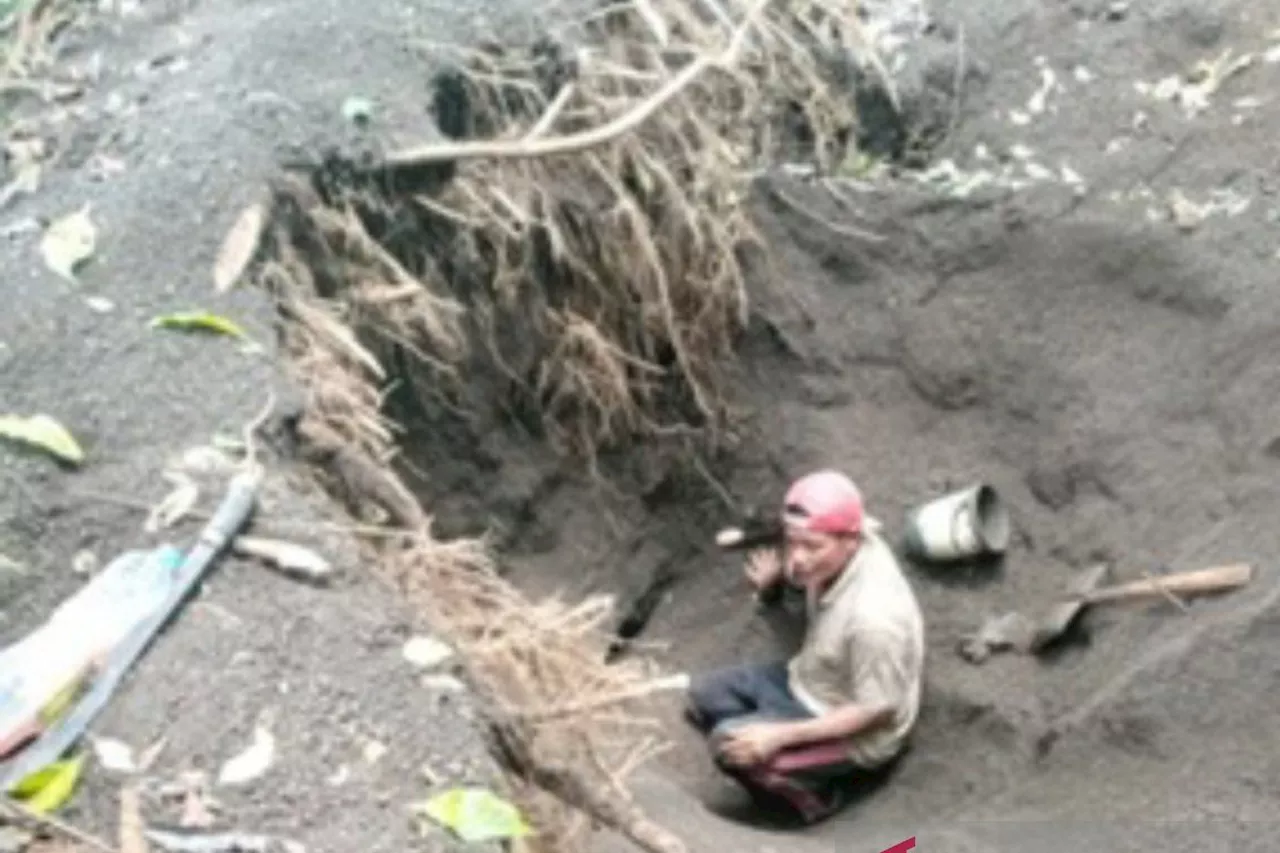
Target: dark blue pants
point(738, 691)
point(809, 778)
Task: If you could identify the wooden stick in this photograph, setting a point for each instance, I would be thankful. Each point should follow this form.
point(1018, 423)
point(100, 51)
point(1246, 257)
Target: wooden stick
point(1199, 582)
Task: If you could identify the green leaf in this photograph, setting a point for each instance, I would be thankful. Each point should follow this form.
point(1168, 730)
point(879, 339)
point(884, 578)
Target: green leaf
point(199, 321)
point(49, 788)
point(43, 432)
point(475, 814)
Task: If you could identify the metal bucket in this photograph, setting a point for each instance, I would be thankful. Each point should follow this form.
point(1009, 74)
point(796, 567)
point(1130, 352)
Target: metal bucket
point(968, 523)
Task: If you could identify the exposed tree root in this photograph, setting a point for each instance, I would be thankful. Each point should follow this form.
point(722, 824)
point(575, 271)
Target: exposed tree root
point(582, 238)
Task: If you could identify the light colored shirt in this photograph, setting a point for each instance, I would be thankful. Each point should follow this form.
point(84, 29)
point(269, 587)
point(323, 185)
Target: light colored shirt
point(864, 645)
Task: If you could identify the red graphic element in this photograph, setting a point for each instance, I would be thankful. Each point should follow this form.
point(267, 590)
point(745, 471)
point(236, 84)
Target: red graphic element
point(901, 846)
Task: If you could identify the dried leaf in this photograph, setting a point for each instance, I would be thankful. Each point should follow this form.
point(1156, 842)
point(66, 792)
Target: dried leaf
point(115, 755)
point(69, 242)
point(175, 506)
point(43, 432)
point(426, 652)
point(199, 321)
point(292, 559)
point(48, 789)
point(252, 762)
point(476, 814)
point(133, 837)
point(238, 248)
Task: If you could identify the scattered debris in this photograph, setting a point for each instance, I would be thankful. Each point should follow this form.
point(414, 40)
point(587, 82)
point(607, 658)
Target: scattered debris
point(26, 157)
point(426, 652)
point(199, 321)
point(1082, 74)
point(374, 751)
point(14, 840)
point(115, 755)
point(85, 562)
point(238, 248)
point(43, 432)
point(442, 683)
point(176, 505)
point(475, 814)
point(132, 829)
point(357, 110)
point(69, 242)
point(220, 842)
point(1205, 79)
point(251, 763)
point(288, 558)
point(1048, 85)
point(100, 304)
point(1188, 215)
point(1010, 632)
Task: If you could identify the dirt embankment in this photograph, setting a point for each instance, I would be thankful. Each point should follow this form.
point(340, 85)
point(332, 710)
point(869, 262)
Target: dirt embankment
point(1079, 341)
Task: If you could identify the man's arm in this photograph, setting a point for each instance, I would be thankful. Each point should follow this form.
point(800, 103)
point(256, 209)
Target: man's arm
point(838, 723)
point(879, 684)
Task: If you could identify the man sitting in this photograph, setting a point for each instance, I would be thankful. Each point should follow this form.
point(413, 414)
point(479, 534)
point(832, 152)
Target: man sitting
point(848, 700)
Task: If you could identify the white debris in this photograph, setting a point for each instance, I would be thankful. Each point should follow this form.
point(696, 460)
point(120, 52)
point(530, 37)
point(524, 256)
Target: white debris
point(1082, 74)
point(251, 763)
point(426, 652)
point(1048, 83)
point(1020, 152)
point(1019, 118)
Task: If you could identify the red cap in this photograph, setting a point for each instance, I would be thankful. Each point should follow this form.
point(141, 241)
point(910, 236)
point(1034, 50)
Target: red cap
point(824, 502)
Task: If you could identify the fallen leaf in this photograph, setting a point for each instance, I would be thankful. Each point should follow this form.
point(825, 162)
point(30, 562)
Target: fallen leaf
point(132, 830)
point(476, 814)
point(238, 248)
point(289, 558)
point(43, 432)
point(199, 321)
point(115, 755)
point(69, 242)
point(252, 762)
point(175, 506)
point(48, 789)
point(426, 652)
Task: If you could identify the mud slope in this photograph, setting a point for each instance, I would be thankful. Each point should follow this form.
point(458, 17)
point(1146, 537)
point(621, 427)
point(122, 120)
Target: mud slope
point(1112, 371)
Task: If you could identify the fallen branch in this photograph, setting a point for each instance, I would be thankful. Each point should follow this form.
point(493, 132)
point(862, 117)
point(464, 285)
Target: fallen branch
point(543, 147)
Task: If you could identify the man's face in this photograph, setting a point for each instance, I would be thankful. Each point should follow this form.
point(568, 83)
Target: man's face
point(813, 559)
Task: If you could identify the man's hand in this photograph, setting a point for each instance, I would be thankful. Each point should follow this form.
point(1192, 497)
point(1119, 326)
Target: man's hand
point(764, 568)
point(752, 745)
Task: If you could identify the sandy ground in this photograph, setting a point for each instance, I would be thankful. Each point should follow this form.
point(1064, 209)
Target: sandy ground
point(197, 102)
point(1110, 372)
